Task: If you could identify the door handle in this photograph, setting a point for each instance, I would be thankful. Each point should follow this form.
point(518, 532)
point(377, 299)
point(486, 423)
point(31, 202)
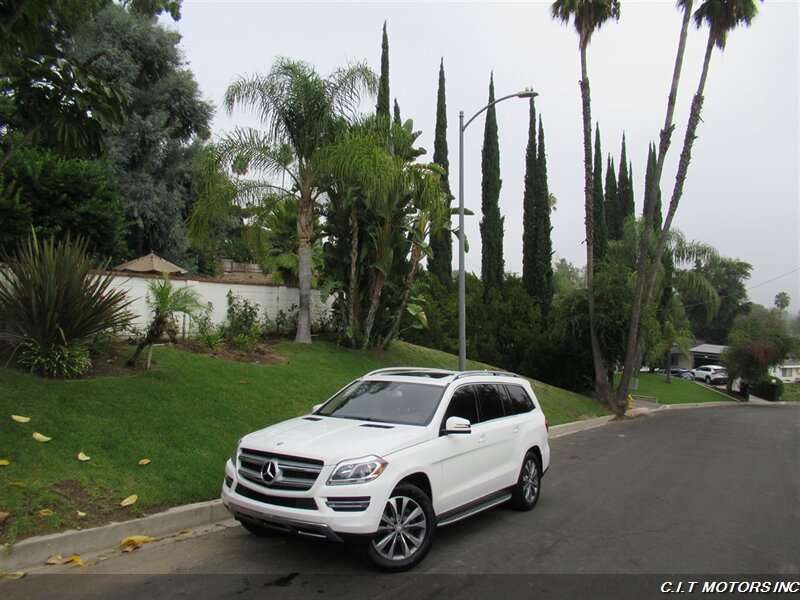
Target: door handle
point(482, 439)
point(515, 430)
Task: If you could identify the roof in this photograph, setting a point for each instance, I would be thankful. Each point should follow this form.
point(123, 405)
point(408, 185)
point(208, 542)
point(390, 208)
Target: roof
point(708, 349)
point(150, 263)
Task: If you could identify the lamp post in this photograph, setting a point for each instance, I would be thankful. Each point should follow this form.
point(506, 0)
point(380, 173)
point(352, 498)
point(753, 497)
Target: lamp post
point(462, 301)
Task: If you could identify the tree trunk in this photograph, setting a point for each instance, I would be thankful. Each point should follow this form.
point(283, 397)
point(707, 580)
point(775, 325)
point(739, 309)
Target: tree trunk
point(416, 257)
point(644, 267)
point(353, 313)
point(374, 300)
point(305, 225)
point(602, 386)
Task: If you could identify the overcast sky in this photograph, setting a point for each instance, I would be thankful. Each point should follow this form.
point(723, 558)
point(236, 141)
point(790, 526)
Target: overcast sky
point(741, 195)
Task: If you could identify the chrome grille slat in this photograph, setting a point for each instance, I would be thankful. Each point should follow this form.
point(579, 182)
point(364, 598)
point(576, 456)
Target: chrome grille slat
point(295, 473)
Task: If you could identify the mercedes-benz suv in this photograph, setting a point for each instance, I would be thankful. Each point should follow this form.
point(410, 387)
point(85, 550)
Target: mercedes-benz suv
point(391, 457)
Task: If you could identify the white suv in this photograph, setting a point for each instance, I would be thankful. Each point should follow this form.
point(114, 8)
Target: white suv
point(390, 458)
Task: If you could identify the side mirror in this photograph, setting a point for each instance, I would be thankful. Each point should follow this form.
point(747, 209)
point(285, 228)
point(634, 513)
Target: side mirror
point(316, 407)
point(457, 425)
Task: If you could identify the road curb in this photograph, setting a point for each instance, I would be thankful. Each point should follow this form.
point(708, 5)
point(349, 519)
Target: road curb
point(35, 551)
point(557, 431)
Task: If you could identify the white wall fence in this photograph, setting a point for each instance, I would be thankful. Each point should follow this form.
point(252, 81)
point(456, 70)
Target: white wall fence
point(270, 298)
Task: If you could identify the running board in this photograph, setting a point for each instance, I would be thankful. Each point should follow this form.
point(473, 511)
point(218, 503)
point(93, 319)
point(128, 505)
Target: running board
point(474, 509)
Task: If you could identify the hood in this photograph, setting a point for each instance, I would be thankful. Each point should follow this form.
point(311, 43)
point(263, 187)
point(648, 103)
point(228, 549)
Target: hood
point(333, 440)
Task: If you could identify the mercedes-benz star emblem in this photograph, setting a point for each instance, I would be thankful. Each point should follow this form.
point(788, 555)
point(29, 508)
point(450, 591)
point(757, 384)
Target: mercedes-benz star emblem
point(270, 472)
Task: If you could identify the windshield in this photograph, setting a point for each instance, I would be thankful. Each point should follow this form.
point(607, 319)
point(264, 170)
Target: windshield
point(385, 401)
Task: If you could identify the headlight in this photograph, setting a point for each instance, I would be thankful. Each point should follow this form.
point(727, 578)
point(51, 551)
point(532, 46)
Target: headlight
point(235, 454)
point(357, 470)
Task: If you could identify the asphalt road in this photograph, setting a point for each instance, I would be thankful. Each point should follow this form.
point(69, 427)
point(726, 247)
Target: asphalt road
point(681, 495)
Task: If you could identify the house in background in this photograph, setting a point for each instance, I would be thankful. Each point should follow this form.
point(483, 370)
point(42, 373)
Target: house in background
point(702, 354)
point(788, 372)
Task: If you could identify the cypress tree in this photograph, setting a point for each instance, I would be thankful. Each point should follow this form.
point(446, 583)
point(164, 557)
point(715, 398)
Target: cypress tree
point(648, 183)
point(492, 223)
point(625, 206)
point(599, 221)
point(382, 107)
point(441, 264)
point(397, 120)
point(529, 237)
point(612, 230)
point(544, 243)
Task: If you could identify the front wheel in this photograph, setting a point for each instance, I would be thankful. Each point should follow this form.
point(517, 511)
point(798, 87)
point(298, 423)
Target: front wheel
point(708, 380)
point(405, 532)
point(529, 485)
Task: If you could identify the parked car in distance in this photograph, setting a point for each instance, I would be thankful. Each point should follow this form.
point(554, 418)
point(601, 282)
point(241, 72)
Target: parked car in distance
point(682, 373)
point(711, 374)
point(392, 457)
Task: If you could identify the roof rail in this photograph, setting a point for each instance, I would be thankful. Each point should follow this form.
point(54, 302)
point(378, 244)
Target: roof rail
point(486, 372)
point(400, 370)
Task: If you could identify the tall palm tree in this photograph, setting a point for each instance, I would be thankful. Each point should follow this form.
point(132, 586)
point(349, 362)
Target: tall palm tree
point(588, 16)
point(304, 112)
point(721, 17)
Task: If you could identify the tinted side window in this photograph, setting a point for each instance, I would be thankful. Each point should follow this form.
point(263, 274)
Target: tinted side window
point(463, 405)
point(520, 399)
point(490, 401)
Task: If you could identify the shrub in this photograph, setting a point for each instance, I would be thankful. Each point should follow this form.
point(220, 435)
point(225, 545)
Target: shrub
point(55, 361)
point(210, 335)
point(242, 318)
point(51, 303)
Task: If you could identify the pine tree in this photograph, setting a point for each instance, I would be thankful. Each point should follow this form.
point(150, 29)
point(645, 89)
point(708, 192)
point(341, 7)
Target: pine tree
point(612, 230)
point(544, 243)
point(529, 237)
point(441, 264)
point(492, 223)
point(382, 107)
point(599, 221)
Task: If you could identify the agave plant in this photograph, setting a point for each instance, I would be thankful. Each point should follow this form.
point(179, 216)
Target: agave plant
point(52, 303)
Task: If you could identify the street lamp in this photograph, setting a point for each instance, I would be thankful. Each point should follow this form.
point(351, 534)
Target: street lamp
point(462, 302)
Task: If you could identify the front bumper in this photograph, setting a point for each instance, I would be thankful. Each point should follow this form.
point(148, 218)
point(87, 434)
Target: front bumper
point(324, 511)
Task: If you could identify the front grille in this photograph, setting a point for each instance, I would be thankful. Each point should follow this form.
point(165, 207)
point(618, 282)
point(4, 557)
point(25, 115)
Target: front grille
point(292, 473)
point(304, 503)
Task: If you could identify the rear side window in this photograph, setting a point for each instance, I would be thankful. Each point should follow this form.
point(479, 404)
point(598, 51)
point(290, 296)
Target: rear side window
point(520, 399)
point(463, 405)
point(490, 401)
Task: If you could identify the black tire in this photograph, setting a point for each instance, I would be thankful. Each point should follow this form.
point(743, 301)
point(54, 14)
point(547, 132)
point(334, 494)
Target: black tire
point(406, 531)
point(529, 484)
point(259, 530)
point(708, 380)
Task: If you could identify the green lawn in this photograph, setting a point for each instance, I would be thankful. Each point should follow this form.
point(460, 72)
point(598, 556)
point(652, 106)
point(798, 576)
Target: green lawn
point(678, 391)
point(791, 392)
point(185, 417)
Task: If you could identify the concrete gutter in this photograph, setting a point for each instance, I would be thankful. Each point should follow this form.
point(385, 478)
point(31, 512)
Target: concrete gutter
point(35, 551)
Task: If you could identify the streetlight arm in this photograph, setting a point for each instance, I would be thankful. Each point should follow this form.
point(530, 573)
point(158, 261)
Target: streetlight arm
point(525, 94)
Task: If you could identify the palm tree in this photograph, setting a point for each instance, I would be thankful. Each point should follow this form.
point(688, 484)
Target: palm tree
point(165, 300)
point(303, 112)
point(588, 16)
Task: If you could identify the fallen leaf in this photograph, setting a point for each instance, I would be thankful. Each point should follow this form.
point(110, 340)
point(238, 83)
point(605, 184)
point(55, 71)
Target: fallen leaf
point(56, 559)
point(243, 382)
point(41, 438)
point(14, 575)
point(77, 560)
point(129, 500)
point(46, 512)
point(136, 541)
point(144, 461)
point(80, 514)
point(130, 548)
point(185, 532)
point(5, 462)
point(20, 419)
point(17, 484)
point(82, 457)
point(4, 516)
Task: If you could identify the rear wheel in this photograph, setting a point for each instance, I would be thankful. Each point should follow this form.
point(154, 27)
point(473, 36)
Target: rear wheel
point(405, 532)
point(529, 485)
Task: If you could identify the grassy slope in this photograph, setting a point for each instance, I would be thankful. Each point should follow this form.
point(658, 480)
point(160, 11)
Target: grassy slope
point(185, 417)
point(678, 391)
